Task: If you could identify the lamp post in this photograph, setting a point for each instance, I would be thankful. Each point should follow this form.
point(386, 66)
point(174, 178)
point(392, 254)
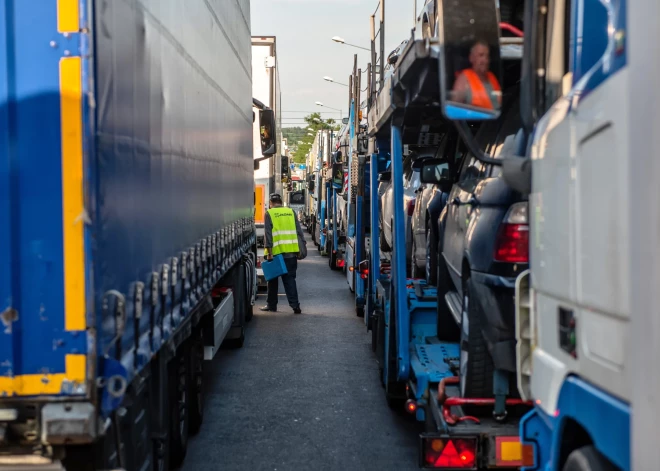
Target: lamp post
point(339, 40)
point(318, 103)
point(330, 79)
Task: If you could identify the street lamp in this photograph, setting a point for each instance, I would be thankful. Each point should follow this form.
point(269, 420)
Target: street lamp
point(330, 79)
point(339, 40)
point(318, 103)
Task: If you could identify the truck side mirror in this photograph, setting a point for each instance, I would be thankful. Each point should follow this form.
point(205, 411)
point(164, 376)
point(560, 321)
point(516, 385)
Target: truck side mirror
point(267, 132)
point(470, 63)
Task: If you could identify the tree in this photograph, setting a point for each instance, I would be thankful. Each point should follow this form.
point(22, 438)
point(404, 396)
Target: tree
point(304, 144)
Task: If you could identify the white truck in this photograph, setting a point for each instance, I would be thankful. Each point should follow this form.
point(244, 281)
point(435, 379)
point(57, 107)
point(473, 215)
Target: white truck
point(266, 89)
point(588, 334)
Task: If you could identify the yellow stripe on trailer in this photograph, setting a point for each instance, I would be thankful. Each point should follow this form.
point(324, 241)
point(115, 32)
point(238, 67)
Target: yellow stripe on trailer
point(68, 16)
point(42, 384)
point(73, 209)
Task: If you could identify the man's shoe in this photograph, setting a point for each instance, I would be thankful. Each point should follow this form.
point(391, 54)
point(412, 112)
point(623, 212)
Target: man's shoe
point(267, 308)
point(297, 310)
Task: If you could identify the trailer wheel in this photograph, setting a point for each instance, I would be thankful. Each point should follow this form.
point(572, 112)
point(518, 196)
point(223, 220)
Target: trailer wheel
point(395, 391)
point(587, 458)
point(240, 307)
point(196, 381)
point(476, 364)
point(161, 406)
point(179, 401)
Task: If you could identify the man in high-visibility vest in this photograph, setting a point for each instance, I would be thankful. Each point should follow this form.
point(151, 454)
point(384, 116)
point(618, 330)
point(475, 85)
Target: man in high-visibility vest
point(282, 232)
point(477, 85)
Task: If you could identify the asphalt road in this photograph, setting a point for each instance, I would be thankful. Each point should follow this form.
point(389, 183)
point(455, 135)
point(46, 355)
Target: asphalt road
point(303, 392)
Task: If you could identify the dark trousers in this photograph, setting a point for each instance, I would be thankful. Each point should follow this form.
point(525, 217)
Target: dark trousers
point(289, 282)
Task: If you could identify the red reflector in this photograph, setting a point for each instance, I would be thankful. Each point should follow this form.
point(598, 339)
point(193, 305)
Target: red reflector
point(512, 244)
point(457, 453)
point(220, 291)
point(340, 263)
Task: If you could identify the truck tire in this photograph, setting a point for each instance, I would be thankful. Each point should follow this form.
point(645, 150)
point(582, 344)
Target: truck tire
point(160, 407)
point(587, 458)
point(332, 260)
point(179, 400)
point(240, 306)
point(476, 364)
point(196, 381)
point(395, 391)
point(250, 287)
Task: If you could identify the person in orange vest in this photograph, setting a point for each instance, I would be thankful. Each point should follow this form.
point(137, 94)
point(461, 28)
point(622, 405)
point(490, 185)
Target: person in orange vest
point(478, 86)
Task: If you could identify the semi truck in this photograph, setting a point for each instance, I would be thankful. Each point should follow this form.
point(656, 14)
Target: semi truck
point(127, 230)
point(266, 88)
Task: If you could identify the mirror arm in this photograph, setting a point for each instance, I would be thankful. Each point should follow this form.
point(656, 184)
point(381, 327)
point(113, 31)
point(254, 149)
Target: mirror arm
point(265, 157)
point(472, 145)
point(259, 104)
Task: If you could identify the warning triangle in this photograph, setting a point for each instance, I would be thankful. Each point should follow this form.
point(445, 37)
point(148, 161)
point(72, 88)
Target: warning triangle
point(449, 455)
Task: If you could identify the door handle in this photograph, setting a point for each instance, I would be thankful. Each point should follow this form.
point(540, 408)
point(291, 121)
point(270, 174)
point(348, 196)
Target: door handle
point(473, 201)
point(456, 201)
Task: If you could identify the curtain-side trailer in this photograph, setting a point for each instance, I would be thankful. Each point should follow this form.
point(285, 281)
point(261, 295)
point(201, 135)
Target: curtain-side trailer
point(127, 234)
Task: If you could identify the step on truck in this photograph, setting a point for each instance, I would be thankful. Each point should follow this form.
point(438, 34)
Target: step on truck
point(127, 235)
point(419, 364)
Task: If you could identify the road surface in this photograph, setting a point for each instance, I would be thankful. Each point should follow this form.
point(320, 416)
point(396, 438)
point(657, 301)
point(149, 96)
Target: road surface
point(303, 392)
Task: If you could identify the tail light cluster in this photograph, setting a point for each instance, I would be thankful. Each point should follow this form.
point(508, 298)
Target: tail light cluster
point(450, 453)
point(512, 243)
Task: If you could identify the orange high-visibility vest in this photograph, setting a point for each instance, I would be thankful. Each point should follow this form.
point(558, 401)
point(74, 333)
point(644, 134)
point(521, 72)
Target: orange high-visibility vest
point(480, 97)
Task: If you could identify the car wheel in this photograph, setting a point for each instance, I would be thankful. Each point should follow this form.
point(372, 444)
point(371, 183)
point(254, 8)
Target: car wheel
point(476, 365)
point(448, 328)
point(415, 271)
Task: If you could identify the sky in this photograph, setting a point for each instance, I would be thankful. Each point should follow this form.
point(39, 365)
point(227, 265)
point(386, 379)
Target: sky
point(306, 53)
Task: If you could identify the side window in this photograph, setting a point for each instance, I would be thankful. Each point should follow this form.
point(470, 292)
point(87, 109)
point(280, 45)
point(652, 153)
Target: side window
point(473, 170)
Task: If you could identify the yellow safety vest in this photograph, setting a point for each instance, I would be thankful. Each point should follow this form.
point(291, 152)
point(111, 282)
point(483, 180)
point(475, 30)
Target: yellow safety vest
point(285, 238)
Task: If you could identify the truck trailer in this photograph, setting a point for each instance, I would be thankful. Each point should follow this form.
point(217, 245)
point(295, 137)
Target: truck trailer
point(127, 231)
point(419, 353)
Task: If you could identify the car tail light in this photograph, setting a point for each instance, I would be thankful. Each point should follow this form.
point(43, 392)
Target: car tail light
point(512, 243)
point(411, 206)
point(258, 262)
point(450, 453)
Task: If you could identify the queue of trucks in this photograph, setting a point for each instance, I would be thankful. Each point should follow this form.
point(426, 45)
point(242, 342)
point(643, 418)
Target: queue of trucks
point(487, 245)
point(501, 254)
point(127, 225)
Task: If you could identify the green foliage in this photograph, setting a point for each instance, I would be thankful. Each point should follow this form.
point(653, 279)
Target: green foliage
point(300, 141)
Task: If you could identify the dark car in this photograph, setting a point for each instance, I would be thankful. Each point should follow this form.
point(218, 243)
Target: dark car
point(483, 248)
point(431, 199)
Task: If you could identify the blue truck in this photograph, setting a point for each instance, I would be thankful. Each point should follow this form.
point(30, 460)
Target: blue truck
point(127, 233)
point(420, 363)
